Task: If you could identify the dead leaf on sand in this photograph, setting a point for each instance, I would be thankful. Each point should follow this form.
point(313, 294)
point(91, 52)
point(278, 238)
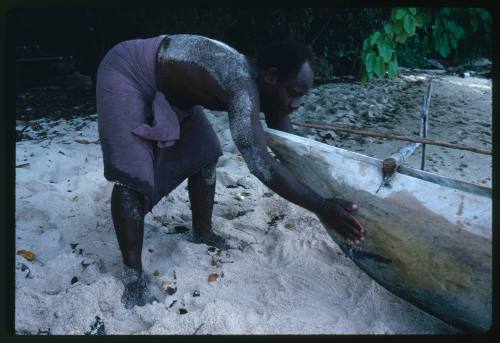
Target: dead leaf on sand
point(166, 283)
point(212, 277)
point(27, 255)
point(169, 286)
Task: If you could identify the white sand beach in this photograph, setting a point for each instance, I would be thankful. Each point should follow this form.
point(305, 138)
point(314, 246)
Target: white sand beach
point(284, 274)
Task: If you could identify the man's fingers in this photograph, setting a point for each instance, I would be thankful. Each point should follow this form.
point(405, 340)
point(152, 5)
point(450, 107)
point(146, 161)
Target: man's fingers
point(348, 235)
point(349, 219)
point(351, 225)
point(347, 205)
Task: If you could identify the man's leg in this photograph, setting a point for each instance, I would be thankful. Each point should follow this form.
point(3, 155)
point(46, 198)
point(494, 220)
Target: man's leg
point(201, 187)
point(127, 210)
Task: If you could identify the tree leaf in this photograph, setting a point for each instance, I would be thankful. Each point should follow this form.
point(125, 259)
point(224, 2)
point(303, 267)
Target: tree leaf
point(412, 10)
point(400, 13)
point(484, 14)
point(392, 68)
point(401, 37)
point(375, 37)
point(385, 50)
point(369, 61)
point(379, 67)
point(453, 42)
point(444, 49)
point(388, 29)
point(408, 25)
point(446, 11)
point(366, 43)
point(418, 21)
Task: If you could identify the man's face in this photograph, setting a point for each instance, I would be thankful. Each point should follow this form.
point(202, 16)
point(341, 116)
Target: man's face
point(282, 97)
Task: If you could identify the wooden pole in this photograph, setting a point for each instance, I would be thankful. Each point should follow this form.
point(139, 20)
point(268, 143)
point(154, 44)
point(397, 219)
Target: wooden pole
point(398, 136)
point(391, 164)
point(425, 116)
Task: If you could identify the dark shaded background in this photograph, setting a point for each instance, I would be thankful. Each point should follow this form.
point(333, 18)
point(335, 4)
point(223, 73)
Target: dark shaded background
point(51, 44)
point(86, 34)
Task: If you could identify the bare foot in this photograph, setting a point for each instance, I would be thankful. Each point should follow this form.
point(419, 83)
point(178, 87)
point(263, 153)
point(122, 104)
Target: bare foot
point(211, 239)
point(136, 291)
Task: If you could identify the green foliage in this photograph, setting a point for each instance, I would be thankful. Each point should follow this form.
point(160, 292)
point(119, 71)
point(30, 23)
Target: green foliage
point(379, 49)
point(412, 53)
point(455, 33)
point(453, 30)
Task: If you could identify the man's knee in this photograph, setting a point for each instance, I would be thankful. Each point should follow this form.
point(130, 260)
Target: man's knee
point(128, 201)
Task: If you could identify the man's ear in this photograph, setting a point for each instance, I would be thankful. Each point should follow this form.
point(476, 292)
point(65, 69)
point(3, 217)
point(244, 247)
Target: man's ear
point(270, 76)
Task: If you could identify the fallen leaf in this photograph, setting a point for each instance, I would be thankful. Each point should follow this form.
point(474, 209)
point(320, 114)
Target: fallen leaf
point(238, 158)
point(288, 226)
point(27, 254)
point(183, 311)
point(156, 273)
point(75, 198)
point(23, 165)
point(166, 285)
point(212, 277)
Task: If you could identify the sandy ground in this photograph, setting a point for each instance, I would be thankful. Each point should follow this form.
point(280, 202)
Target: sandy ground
point(284, 275)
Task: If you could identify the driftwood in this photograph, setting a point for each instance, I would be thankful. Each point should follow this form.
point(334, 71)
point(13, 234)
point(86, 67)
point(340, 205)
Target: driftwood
point(398, 136)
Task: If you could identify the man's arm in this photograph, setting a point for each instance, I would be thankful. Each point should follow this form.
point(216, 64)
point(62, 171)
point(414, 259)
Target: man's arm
point(248, 136)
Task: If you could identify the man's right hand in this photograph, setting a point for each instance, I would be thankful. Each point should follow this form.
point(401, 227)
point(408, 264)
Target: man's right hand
point(336, 214)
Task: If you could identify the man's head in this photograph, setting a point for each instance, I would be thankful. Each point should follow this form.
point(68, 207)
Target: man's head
point(285, 74)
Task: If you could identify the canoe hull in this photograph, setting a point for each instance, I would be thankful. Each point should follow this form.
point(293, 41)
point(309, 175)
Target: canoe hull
point(428, 238)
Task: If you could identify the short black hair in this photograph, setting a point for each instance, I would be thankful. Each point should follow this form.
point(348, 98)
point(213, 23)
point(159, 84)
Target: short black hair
point(288, 57)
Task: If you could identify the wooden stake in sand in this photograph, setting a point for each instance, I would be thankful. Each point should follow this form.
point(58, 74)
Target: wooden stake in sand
point(425, 116)
point(391, 164)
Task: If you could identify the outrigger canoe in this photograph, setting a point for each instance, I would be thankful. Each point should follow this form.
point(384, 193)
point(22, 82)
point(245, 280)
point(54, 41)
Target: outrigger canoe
point(428, 237)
